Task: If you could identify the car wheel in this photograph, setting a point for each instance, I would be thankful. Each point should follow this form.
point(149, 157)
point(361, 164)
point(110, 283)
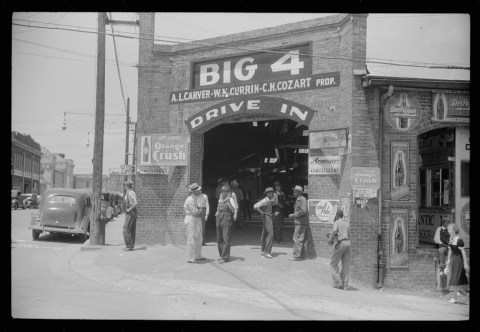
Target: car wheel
point(35, 234)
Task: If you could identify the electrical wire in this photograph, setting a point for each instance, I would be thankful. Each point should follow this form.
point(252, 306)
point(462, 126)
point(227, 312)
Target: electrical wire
point(336, 57)
point(118, 67)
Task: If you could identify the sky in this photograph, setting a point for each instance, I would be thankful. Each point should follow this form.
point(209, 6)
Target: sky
point(54, 69)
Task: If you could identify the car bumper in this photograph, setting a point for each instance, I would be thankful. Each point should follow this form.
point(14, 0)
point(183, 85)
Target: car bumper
point(56, 229)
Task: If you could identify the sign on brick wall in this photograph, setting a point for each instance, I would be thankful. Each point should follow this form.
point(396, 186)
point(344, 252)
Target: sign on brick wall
point(399, 170)
point(322, 210)
point(403, 112)
point(324, 165)
point(399, 238)
point(451, 106)
point(162, 149)
point(334, 138)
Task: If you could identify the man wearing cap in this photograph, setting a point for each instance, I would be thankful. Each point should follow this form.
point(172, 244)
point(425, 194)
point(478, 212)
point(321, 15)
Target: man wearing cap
point(226, 208)
point(302, 227)
point(194, 224)
point(239, 195)
point(264, 207)
point(130, 217)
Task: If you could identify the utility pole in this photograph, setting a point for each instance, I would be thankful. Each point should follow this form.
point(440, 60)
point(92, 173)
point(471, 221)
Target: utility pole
point(127, 136)
point(97, 232)
point(134, 161)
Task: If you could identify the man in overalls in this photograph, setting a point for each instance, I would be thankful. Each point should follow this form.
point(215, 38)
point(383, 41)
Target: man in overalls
point(264, 207)
point(226, 208)
point(130, 217)
point(240, 200)
point(302, 227)
point(279, 197)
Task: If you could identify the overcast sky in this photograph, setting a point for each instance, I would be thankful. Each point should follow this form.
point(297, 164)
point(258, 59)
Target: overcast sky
point(54, 70)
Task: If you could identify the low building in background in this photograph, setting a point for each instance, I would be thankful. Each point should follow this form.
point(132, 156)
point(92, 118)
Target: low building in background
point(26, 156)
point(85, 181)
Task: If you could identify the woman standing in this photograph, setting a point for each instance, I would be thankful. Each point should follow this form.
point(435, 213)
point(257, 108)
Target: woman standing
point(457, 259)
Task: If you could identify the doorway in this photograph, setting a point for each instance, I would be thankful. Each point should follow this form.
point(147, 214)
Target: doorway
point(256, 154)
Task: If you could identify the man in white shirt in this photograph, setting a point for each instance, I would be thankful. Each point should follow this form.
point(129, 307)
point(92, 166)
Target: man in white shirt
point(194, 224)
point(130, 224)
point(442, 239)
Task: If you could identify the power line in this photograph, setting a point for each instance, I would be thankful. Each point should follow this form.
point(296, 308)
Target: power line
point(118, 68)
point(337, 57)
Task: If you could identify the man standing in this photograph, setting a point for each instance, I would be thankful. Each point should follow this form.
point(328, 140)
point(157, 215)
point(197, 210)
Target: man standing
point(442, 239)
point(264, 207)
point(130, 217)
point(194, 224)
point(202, 201)
point(279, 197)
point(239, 195)
point(302, 227)
point(226, 208)
point(341, 251)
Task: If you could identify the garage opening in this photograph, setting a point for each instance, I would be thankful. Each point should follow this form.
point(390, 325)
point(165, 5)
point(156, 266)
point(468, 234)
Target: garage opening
point(256, 154)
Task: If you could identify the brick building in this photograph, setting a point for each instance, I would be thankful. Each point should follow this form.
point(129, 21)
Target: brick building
point(56, 170)
point(85, 181)
point(281, 104)
point(26, 155)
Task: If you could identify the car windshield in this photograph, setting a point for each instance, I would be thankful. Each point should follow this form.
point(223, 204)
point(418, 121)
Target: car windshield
point(59, 199)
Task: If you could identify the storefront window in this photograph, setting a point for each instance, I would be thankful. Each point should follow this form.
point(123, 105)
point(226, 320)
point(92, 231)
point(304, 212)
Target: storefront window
point(434, 187)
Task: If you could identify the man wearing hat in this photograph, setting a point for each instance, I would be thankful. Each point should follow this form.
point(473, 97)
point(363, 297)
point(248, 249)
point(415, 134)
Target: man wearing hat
point(130, 217)
point(302, 227)
point(239, 195)
point(194, 224)
point(225, 209)
point(264, 207)
point(279, 197)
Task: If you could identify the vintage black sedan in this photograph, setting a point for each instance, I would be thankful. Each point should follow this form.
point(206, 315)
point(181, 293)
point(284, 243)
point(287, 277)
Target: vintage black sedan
point(63, 210)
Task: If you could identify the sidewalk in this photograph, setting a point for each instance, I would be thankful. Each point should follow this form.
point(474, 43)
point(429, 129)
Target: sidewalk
point(302, 290)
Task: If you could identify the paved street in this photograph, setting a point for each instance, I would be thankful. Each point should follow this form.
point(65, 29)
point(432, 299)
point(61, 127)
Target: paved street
point(54, 278)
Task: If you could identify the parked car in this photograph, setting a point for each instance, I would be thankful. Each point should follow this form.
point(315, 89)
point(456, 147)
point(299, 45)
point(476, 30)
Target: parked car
point(30, 201)
point(63, 210)
point(17, 199)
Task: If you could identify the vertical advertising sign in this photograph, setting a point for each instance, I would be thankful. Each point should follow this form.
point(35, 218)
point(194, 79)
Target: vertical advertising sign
point(399, 170)
point(399, 238)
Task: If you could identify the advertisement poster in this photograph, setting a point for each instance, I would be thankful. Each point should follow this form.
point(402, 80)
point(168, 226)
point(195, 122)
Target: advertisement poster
point(328, 139)
point(403, 112)
point(399, 238)
point(362, 196)
point(399, 172)
point(152, 169)
point(324, 165)
point(451, 106)
point(162, 149)
point(322, 210)
point(365, 177)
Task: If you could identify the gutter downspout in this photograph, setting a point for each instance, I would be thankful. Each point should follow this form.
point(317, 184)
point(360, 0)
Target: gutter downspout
point(381, 264)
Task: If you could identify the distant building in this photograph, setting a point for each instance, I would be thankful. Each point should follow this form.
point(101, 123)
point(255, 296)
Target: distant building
point(57, 172)
point(26, 156)
point(85, 181)
point(115, 182)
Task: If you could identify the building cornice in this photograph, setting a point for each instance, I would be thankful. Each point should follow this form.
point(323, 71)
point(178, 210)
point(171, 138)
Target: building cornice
point(410, 82)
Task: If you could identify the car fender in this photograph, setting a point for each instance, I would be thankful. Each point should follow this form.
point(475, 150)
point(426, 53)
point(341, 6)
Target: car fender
point(85, 224)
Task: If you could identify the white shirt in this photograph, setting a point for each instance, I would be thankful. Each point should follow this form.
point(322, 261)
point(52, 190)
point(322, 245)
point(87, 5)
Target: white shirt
point(190, 206)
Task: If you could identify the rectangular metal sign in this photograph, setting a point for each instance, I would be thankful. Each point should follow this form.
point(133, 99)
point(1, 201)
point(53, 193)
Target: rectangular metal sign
point(162, 149)
point(334, 138)
point(322, 210)
point(324, 165)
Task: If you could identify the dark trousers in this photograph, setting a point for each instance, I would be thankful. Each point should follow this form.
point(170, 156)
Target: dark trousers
point(300, 239)
point(267, 234)
point(204, 222)
point(441, 255)
point(278, 226)
point(129, 228)
point(246, 210)
point(224, 231)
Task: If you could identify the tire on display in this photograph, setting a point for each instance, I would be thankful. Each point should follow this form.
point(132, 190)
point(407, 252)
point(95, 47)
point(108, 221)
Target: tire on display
point(35, 235)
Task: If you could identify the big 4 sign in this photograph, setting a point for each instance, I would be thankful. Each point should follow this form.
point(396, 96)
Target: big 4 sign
point(287, 62)
point(127, 169)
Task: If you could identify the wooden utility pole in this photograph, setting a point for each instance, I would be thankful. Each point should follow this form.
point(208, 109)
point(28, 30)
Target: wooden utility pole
point(127, 137)
point(97, 230)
